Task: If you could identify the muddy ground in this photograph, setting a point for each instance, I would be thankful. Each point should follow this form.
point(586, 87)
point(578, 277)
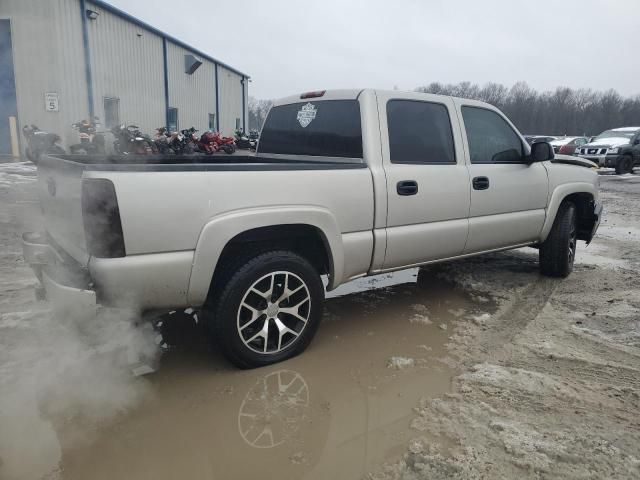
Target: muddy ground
point(475, 369)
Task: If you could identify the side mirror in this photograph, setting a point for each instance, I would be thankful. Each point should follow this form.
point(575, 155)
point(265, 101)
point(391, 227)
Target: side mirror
point(541, 152)
point(637, 141)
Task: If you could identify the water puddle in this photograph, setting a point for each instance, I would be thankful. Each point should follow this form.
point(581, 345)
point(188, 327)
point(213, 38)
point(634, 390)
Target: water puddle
point(337, 411)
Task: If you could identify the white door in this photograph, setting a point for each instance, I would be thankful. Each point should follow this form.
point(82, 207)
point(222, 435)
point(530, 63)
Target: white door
point(508, 193)
point(427, 179)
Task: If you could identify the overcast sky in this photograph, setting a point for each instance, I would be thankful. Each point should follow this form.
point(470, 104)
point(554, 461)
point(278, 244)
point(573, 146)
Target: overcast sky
point(289, 46)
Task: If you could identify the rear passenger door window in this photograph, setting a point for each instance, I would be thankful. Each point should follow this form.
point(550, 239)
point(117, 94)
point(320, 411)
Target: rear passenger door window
point(419, 133)
point(491, 139)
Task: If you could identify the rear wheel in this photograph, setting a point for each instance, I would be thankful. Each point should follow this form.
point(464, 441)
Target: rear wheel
point(624, 165)
point(557, 253)
point(268, 310)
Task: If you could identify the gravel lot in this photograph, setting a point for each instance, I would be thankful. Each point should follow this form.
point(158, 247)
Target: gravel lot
point(476, 369)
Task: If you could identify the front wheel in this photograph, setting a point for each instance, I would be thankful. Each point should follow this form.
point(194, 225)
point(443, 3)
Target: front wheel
point(624, 165)
point(557, 253)
point(268, 310)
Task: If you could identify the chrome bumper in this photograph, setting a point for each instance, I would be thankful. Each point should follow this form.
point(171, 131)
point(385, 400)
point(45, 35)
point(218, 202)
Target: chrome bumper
point(602, 160)
point(66, 286)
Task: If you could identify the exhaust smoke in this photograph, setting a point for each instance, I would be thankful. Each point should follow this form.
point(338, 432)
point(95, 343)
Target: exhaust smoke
point(65, 377)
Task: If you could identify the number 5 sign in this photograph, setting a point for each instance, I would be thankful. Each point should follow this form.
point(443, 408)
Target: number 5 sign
point(51, 102)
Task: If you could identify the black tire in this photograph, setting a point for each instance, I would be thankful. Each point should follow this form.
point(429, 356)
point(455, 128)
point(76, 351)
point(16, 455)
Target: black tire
point(624, 165)
point(224, 311)
point(557, 252)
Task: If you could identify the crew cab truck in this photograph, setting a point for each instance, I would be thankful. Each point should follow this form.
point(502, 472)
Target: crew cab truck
point(345, 183)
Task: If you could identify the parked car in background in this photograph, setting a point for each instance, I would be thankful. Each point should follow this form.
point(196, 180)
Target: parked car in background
point(531, 139)
point(568, 145)
point(618, 148)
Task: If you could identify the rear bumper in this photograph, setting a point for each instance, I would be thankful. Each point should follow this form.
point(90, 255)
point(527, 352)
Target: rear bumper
point(149, 281)
point(67, 286)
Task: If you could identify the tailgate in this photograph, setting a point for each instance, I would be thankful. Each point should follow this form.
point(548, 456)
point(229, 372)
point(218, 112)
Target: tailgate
point(60, 192)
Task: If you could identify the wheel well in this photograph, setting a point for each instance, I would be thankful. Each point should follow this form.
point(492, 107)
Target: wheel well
point(306, 240)
point(584, 213)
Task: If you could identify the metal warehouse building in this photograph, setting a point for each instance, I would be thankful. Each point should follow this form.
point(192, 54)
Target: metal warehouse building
point(62, 61)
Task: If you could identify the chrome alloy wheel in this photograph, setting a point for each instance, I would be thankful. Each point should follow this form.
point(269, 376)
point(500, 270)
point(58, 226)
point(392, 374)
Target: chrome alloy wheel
point(573, 240)
point(273, 312)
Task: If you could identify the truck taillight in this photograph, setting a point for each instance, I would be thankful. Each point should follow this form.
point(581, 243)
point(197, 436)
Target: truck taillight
point(101, 218)
point(316, 94)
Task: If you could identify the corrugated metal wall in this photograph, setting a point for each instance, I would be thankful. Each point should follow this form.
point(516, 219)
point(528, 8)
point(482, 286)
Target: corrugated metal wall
point(193, 95)
point(127, 63)
point(48, 57)
point(230, 100)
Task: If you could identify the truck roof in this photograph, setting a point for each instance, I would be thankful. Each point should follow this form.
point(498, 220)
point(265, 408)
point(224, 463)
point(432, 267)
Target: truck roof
point(350, 94)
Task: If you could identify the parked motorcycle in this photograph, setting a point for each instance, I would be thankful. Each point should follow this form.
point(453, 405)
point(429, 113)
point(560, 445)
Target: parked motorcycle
point(242, 141)
point(254, 136)
point(91, 141)
point(190, 141)
point(207, 143)
point(184, 142)
point(226, 144)
point(39, 142)
point(128, 139)
point(161, 141)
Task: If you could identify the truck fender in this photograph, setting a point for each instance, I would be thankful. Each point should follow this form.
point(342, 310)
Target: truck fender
point(557, 196)
point(221, 229)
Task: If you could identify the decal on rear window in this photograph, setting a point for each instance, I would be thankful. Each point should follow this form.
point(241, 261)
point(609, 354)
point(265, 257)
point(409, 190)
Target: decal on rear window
point(306, 114)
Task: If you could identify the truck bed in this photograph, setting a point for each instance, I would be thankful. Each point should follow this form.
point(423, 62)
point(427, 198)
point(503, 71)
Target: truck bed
point(222, 162)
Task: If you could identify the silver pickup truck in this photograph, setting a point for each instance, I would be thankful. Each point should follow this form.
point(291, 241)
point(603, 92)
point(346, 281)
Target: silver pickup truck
point(344, 184)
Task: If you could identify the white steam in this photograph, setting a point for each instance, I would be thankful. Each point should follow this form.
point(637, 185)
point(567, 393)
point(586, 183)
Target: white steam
point(64, 375)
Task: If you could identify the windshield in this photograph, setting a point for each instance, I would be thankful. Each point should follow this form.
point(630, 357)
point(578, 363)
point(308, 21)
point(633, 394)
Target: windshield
point(617, 134)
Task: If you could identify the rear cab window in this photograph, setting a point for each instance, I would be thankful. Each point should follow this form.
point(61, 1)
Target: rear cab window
point(327, 128)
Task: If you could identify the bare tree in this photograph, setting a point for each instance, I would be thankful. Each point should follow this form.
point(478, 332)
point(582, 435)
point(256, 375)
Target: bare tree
point(258, 110)
point(564, 111)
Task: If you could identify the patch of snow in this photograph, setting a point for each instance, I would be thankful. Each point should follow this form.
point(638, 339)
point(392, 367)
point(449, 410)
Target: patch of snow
point(480, 319)
point(399, 363)
point(479, 298)
point(629, 234)
point(420, 319)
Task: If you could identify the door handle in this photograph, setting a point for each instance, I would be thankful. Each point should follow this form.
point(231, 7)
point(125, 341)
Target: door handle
point(407, 187)
point(480, 183)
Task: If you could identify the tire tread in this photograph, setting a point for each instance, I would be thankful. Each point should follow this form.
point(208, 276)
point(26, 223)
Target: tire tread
point(553, 255)
point(230, 278)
